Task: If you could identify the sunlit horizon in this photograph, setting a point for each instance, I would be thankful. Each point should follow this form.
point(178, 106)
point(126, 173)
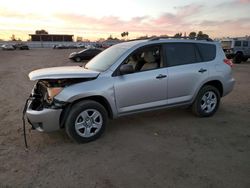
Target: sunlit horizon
point(100, 19)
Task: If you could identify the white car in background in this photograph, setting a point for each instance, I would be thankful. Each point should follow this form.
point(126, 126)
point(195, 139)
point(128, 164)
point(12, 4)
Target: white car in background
point(7, 47)
point(237, 49)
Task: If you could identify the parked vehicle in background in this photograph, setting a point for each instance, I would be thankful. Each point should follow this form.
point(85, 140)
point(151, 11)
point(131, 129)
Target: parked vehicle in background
point(72, 46)
point(21, 46)
point(237, 49)
point(7, 47)
point(86, 54)
point(128, 78)
point(80, 45)
point(105, 46)
point(98, 45)
point(60, 46)
point(89, 46)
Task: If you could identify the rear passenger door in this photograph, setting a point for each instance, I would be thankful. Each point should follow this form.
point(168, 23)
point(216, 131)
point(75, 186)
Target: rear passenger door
point(186, 71)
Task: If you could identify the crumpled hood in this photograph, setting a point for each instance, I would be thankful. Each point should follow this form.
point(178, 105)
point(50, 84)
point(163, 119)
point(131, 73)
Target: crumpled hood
point(62, 72)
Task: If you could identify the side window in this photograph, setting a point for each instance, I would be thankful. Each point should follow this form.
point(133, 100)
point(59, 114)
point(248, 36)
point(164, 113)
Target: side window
point(87, 52)
point(245, 43)
point(146, 58)
point(181, 54)
point(237, 43)
point(207, 51)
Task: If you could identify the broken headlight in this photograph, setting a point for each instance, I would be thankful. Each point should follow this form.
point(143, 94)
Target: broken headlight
point(53, 91)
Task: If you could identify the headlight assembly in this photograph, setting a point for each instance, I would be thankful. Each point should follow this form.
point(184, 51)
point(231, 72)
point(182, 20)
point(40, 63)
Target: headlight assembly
point(53, 91)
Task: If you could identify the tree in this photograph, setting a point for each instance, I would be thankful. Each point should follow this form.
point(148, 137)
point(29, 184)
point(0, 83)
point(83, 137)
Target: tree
point(178, 35)
point(41, 32)
point(123, 34)
point(192, 35)
point(13, 37)
point(202, 35)
point(110, 37)
point(142, 37)
point(164, 36)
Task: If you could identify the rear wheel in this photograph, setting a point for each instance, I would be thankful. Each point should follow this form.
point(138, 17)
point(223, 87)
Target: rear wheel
point(238, 58)
point(86, 121)
point(206, 102)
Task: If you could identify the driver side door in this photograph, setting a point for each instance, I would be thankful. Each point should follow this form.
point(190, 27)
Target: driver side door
point(143, 89)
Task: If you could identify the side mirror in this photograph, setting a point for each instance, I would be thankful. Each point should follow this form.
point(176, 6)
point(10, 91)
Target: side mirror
point(126, 69)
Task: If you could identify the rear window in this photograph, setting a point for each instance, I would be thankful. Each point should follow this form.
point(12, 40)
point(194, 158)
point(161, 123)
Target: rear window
point(237, 43)
point(181, 54)
point(207, 51)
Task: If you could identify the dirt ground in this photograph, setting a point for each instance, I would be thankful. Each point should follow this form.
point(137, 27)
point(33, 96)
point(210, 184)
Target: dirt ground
point(166, 148)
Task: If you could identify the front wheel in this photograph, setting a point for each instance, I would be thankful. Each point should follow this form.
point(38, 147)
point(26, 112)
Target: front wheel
point(206, 102)
point(77, 59)
point(86, 121)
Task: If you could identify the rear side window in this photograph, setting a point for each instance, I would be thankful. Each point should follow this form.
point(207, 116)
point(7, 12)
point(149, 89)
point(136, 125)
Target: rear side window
point(181, 54)
point(245, 43)
point(207, 51)
point(237, 43)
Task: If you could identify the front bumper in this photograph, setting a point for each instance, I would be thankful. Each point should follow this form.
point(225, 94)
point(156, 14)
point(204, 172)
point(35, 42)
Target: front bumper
point(44, 120)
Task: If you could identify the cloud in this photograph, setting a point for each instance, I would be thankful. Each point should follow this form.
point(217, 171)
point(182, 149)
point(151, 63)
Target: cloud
point(166, 23)
point(189, 10)
point(183, 19)
point(7, 13)
point(236, 27)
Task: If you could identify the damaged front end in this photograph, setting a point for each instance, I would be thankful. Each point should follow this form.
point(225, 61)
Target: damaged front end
point(43, 110)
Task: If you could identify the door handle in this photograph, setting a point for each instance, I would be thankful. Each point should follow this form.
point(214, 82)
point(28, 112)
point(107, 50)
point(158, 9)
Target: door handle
point(202, 70)
point(160, 76)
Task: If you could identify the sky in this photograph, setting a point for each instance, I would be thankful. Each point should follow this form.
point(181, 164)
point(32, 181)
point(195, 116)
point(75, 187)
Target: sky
point(94, 19)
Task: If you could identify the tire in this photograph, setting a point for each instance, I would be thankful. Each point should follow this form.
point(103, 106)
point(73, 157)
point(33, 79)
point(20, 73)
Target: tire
point(207, 101)
point(80, 124)
point(245, 59)
point(77, 59)
point(238, 58)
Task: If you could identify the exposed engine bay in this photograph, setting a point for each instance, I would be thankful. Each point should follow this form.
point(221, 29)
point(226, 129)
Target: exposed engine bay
point(44, 91)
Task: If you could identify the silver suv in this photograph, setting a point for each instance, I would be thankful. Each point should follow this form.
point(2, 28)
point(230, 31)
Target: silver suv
point(128, 78)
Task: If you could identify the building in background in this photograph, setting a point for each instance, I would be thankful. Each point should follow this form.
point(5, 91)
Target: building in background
point(51, 38)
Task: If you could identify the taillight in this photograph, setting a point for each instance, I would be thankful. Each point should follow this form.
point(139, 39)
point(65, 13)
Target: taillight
point(228, 62)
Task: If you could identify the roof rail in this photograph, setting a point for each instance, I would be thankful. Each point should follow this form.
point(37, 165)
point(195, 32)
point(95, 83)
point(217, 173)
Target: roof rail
point(171, 37)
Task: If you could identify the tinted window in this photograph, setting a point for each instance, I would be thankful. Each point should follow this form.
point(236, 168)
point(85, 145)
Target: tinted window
point(245, 43)
point(181, 54)
point(237, 43)
point(207, 51)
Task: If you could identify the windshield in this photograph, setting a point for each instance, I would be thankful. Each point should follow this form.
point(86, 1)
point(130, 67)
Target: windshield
point(226, 44)
point(82, 51)
point(105, 59)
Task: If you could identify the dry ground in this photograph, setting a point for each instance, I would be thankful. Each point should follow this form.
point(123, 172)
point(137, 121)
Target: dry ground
point(167, 148)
